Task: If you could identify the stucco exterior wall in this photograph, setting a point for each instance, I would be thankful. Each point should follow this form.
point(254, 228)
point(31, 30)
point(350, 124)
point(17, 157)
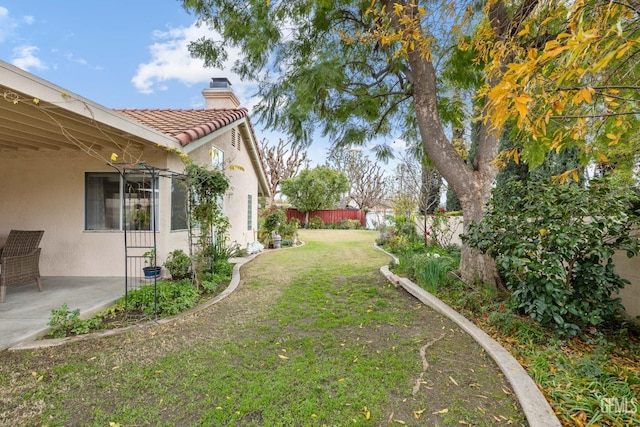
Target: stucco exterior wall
point(243, 182)
point(629, 268)
point(448, 233)
point(46, 191)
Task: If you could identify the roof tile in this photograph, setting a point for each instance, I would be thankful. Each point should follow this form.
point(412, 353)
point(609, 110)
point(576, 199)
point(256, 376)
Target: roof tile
point(186, 125)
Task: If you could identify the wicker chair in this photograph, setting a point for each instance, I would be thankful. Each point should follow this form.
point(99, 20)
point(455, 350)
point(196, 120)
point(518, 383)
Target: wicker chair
point(20, 259)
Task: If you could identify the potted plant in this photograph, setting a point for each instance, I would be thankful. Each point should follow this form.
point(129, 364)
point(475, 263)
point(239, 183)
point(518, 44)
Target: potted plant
point(151, 270)
point(178, 264)
point(141, 218)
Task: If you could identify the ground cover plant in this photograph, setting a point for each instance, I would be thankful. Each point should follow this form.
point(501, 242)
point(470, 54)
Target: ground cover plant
point(164, 299)
point(312, 336)
point(589, 378)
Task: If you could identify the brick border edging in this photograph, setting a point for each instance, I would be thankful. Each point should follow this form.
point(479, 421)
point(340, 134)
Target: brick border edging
point(533, 403)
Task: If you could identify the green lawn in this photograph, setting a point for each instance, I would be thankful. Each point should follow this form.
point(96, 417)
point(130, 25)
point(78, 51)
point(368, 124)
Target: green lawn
point(313, 336)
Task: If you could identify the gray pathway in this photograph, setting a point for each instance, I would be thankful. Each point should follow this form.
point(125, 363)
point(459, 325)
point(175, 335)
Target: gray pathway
point(25, 313)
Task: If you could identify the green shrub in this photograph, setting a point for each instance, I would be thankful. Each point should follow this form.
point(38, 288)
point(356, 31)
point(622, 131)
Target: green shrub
point(209, 286)
point(406, 226)
point(223, 268)
point(349, 224)
point(178, 264)
point(315, 222)
point(553, 244)
point(221, 252)
point(288, 229)
point(275, 220)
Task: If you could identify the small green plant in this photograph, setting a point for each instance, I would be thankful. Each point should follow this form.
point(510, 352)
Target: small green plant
point(64, 322)
point(172, 298)
point(178, 264)
point(150, 258)
point(429, 269)
point(220, 252)
point(291, 227)
point(210, 282)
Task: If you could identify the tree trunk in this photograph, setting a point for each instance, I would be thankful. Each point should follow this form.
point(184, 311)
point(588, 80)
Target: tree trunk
point(474, 266)
point(471, 183)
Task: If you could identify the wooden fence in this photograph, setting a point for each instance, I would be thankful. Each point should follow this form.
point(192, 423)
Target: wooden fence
point(333, 216)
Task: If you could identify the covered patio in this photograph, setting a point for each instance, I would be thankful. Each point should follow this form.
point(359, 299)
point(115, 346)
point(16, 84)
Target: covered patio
point(26, 312)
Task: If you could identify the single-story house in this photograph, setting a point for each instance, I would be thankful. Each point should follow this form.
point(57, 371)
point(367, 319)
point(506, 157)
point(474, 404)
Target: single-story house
point(62, 158)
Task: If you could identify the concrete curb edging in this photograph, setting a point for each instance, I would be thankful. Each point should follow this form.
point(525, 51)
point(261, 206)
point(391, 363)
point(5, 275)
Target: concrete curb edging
point(33, 343)
point(233, 284)
point(533, 403)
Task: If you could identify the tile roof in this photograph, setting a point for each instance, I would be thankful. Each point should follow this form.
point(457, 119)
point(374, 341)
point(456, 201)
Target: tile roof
point(186, 125)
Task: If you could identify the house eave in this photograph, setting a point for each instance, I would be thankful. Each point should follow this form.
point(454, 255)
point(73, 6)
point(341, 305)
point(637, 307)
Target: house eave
point(55, 116)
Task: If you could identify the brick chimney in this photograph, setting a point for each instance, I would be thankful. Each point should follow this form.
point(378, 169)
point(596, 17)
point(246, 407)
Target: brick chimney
point(219, 94)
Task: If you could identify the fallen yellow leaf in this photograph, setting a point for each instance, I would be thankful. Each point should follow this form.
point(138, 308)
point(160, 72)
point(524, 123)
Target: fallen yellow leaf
point(441, 411)
point(282, 356)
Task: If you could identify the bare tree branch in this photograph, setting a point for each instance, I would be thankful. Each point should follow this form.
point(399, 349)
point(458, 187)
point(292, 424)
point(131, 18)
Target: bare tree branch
point(282, 161)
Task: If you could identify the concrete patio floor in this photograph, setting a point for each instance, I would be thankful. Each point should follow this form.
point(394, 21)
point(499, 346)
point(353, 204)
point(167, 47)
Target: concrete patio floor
point(25, 313)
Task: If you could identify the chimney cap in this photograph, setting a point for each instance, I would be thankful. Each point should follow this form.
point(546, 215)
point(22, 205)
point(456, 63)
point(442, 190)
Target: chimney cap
point(219, 83)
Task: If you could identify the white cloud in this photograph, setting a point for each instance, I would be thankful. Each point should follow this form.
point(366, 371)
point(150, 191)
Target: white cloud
point(25, 58)
point(399, 144)
point(170, 60)
point(72, 58)
point(7, 25)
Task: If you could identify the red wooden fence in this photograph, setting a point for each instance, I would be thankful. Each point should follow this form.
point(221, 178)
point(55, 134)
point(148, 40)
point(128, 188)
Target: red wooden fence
point(332, 216)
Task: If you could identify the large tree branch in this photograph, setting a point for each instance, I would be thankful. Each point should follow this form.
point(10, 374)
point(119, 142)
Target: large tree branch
point(425, 96)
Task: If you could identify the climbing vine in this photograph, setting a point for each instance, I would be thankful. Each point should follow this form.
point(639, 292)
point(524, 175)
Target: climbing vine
point(92, 149)
point(207, 187)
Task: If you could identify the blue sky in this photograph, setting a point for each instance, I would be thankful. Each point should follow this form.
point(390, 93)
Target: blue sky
point(120, 54)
